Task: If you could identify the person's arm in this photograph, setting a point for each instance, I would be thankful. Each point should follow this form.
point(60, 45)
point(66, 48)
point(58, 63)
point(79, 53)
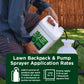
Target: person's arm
point(31, 49)
point(51, 12)
point(16, 22)
point(43, 6)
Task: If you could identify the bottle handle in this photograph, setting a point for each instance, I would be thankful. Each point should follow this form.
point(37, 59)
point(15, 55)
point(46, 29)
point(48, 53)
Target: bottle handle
point(56, 24)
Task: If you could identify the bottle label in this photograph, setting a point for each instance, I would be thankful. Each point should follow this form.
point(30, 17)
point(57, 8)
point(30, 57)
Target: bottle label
point(39, 40)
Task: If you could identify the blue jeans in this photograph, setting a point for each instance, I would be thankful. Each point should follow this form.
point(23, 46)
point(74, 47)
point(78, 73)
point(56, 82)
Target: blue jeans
point(9, 46)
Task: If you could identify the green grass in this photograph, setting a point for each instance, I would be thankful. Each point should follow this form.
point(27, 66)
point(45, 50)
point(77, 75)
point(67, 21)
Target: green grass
point(75, 34)
point(2, 81)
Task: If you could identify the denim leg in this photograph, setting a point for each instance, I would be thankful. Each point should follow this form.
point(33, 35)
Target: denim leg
point(31, 20)
point(7, 46)
point(2, 70)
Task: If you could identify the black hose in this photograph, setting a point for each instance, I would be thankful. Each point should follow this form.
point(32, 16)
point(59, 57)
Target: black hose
point(78, 44)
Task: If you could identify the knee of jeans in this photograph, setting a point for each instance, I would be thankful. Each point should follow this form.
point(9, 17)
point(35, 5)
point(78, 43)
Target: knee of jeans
point(37, 16)
point(19, 50)
point(32, 14)
point(14, 50)
point(31, 20)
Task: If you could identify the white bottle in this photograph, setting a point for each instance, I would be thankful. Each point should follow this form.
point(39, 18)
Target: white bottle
point(15, 75)
point(67, 48)
point(44, 35)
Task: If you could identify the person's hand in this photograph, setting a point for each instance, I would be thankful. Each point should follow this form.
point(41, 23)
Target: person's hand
point(31, 49)
point(51, 21)
point(51, 12)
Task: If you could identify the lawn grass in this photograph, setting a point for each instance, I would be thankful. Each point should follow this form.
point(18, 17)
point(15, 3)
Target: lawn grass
point(2, 81)
point(75, 34)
